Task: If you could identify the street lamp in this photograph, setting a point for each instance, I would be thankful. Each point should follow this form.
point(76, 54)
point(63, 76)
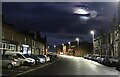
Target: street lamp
point(77, 39)
point(63, 48)
point(69, 44)
point(93, 35)
point(54, 46)
point(48, 47)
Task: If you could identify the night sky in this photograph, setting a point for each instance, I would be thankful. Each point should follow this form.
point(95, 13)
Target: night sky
point(57, 19)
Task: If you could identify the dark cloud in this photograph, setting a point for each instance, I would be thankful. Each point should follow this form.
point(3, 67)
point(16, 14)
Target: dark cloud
point(58, 18)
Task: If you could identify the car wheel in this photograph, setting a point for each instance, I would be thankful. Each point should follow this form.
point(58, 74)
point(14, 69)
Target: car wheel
point(25, 63)
point(9, 66)
point(21, 63)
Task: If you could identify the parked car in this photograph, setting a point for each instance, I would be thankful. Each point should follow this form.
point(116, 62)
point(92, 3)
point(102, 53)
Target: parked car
point(42, 58)
point(47, 58)
point(110, 61)
point(94, 58)
point(90, 57)
point(10, 61)
point(86, 56)
point(118, 64)
point(37, 60)
point(101, 58)
point(23, 60)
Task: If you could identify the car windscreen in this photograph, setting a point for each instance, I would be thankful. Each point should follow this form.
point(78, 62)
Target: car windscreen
point(41, 56)
point(26, 55)
point(33, 56)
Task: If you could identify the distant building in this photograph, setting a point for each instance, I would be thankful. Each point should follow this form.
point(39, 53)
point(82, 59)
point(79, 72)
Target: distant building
point(74, 50)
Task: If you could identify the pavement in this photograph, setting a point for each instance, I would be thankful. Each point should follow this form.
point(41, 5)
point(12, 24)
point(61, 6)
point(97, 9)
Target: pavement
point(71, 66)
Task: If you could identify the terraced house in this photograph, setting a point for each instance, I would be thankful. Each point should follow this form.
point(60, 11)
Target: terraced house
point(25, 42)
point(109, 44)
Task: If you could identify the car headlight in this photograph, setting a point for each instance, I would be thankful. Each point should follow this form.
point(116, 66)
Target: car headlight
point(37, 60)
point(116, 60)
point(28, 60)
point(42, 59)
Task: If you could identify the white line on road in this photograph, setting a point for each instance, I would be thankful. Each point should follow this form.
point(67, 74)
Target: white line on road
point(35, 69)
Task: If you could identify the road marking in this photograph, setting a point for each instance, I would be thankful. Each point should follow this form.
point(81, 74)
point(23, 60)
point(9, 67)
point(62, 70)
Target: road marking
point(35, 68)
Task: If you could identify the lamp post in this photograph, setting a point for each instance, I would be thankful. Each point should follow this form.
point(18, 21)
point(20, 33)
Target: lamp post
point(55, 48)
point(69, 44)
point(63, 48)
point(77, 39)
point(48, 47)
point(93, 36)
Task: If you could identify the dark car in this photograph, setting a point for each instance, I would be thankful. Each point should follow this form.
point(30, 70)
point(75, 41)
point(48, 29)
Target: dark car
point(118, 64)
point(95, 57)
point(101, 58)
point(110, 61)
point(37, 61)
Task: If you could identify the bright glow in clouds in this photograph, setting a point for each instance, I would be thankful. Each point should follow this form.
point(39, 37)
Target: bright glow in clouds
point(81, 11)
point(84, 17)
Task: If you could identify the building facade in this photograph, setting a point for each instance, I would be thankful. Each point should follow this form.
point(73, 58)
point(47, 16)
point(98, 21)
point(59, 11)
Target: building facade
point(110, 43)
point(13, 40)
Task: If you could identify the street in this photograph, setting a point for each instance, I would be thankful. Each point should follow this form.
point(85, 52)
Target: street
point(60, 39)
point(69, 65)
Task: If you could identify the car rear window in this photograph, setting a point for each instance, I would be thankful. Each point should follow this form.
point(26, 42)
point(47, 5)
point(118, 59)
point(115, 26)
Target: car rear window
point(6, 56)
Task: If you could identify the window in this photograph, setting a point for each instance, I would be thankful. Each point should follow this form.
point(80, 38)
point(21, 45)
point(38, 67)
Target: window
point(12, 47)
point(4, 46)
point(20, 56)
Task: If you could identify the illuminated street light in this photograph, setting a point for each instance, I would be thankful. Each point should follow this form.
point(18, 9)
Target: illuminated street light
point(77, 39)
point(54, 46)
point(93, 33)
point(69, 44)
point(48, 47)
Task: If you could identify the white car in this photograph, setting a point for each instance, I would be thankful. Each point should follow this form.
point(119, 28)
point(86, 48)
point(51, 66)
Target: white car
point(10, 61)
point(23, 60)
point(41, 58)
point(47, 58)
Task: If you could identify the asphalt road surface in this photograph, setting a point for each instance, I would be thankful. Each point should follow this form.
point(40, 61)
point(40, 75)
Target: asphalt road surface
point(69, 65)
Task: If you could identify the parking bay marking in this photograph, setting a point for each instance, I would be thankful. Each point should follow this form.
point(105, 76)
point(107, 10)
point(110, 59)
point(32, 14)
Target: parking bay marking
point(34, 69)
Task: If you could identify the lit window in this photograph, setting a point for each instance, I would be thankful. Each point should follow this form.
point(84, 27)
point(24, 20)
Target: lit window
point(4, 46)
point(12, 47)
